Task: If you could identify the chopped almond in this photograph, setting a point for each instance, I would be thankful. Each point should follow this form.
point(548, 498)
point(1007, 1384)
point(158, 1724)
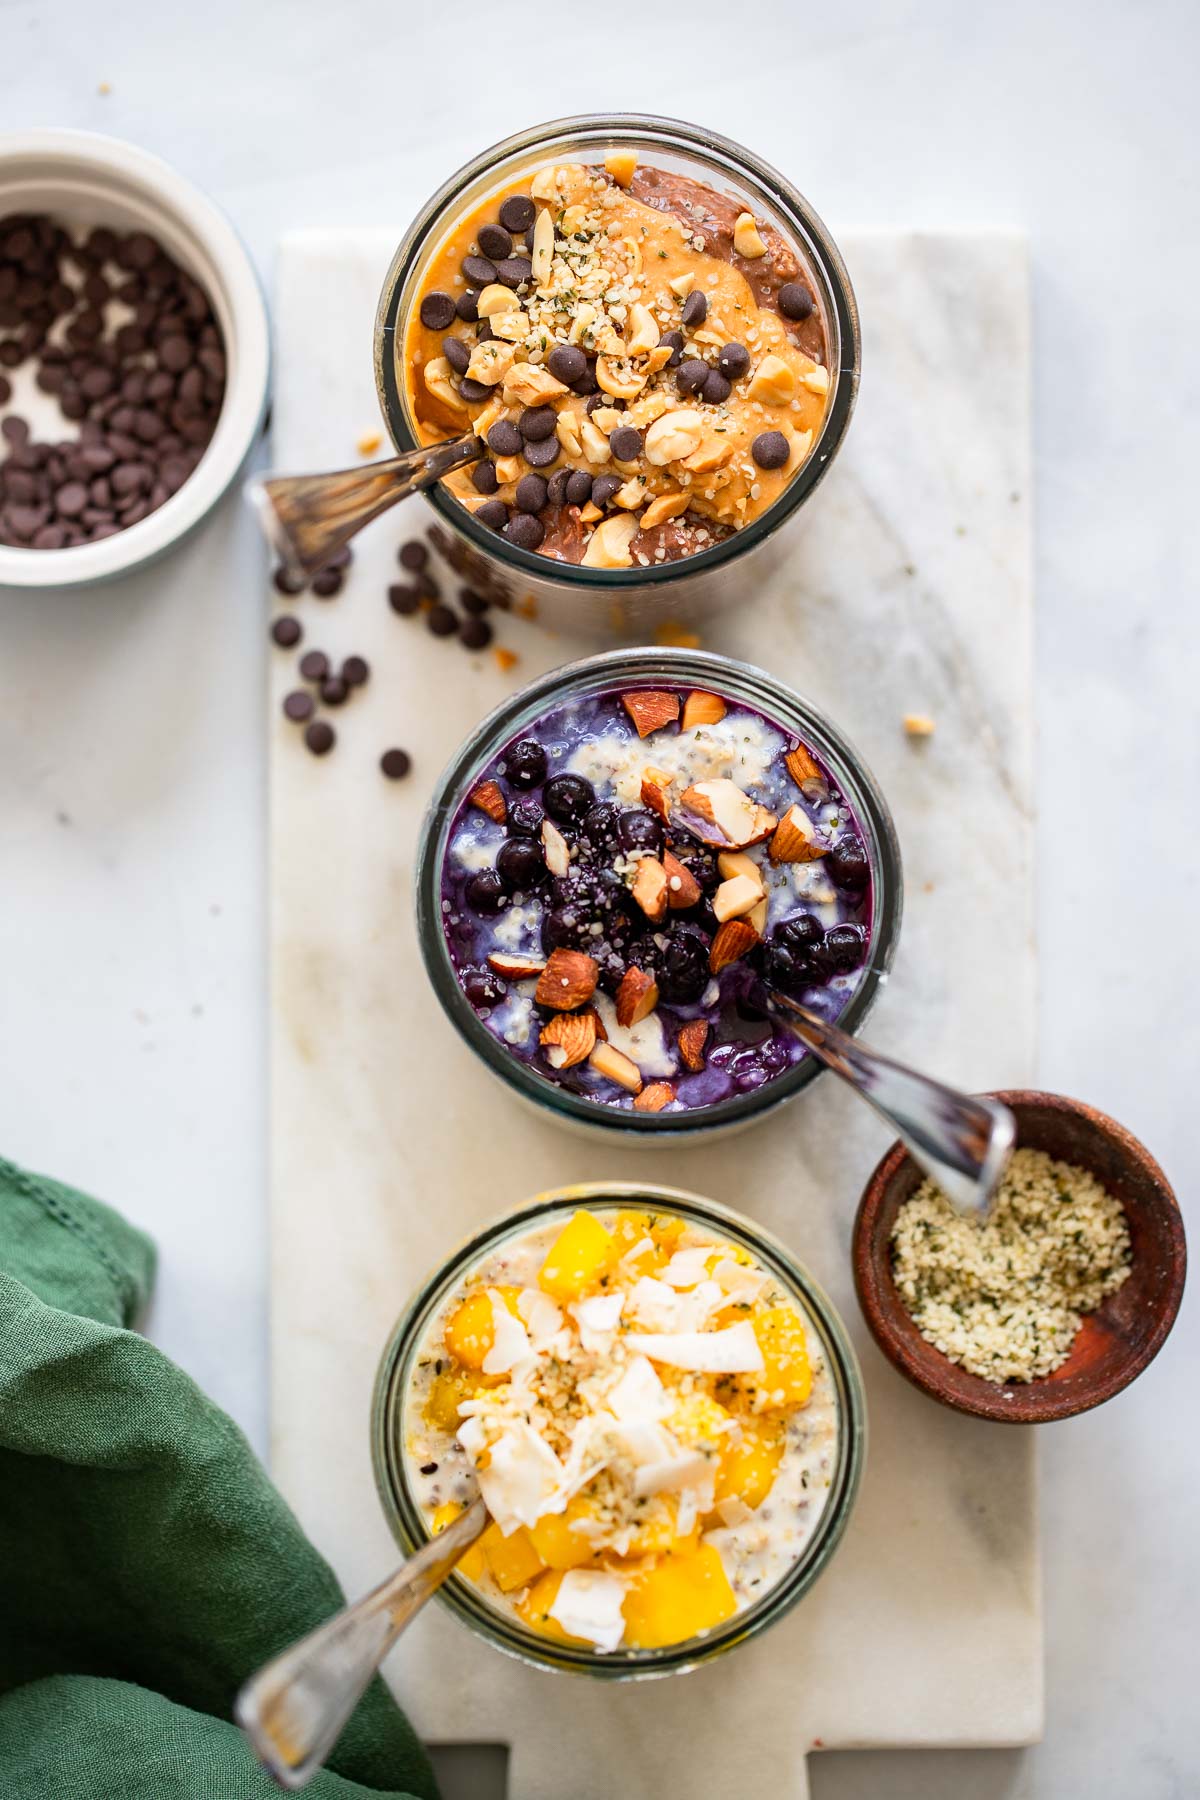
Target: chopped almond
point(615, 1066)
point(568, 979)
point(637, 997)
point(651, 888)
point(653, 1098)
point(795, 840)
point(737, 862)
point(806, 773)
point(489, 799)
point(601, 1034)
point(702, 709)
point(732, 941)
point(569, 1039)
point(651, 709)
point(757, 916)
point(735, 820)
point(683, 890)
point(515, 968)
point(692, 1037)
point(655, 787)
point(733, 899)
point(558, 851)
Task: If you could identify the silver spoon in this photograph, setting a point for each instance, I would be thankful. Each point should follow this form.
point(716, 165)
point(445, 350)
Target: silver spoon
point(294, 1709)
point(962, 1141)
point(308, 518)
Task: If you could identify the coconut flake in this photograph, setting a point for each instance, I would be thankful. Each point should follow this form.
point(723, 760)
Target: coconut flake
point(639, 1396)
point(523, 1479)
point(588, 1606)
point(740, 1285)
point(733, 1351)
point(671, 1473)
point(510, 1340)
point(688, 1267)
point(597, 1319)
point(543, 1317)
point(653, 1303)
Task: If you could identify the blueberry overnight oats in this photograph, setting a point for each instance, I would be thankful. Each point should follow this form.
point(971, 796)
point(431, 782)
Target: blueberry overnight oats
point(648, 1414)
point(644, 360)
point(620, 875)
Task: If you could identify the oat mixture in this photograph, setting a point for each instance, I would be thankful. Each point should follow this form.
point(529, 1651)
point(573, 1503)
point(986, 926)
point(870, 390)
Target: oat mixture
point(1004, 1297)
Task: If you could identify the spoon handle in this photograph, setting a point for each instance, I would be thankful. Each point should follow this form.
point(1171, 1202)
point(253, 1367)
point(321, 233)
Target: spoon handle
point(293, 1710)
point(308, 518)
point(962, 1141)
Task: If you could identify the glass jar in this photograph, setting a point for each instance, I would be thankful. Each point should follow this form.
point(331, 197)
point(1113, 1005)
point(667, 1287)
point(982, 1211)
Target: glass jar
point(509, 1633)
point(627, 599)
point(604, 674)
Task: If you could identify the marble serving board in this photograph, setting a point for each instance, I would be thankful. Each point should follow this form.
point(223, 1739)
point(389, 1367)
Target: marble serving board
point(907, 591)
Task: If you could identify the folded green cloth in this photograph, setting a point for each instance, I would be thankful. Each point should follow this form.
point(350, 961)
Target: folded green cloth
point(147, 1565)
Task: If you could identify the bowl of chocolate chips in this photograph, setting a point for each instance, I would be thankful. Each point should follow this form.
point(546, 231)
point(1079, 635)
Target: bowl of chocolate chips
point(134, 358)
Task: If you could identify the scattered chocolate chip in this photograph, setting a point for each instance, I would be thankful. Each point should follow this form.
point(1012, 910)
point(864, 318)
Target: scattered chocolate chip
point(531, 493)
point(556, 487)
point(413, 555)
point(395, 765)
point(403, 599)
point(334, 691)
point(514, 271)
point(5, 390)
point(695, 310)
point(579, 487)
point(524, 530)
point(537, 422)
point(484, 478)
point(716, 389)
point(733, 361)
point(795, 301)
point(476, 634)
point(473, 391)
point(517, 213)
point(356, 671)
point(494, 242)
point(289, 581)
point(429, 1468)
point(456, 354)
point(504, 438)
point(327, 582)
point(493, 514)
point(604, 487)
point(675, 339)
point(625, 443)
point(770, 449)
point(298, 706)
point(467, 306)
point(314, 665)
point(442, 620)
point(566, 362)
point(479, 271)
point(691, 375)
point(287, 631)
point(542, 452)
point(471, 602)
point(320, 737)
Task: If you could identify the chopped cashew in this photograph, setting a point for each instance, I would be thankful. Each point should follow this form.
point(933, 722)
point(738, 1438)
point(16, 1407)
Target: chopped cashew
point(608, 546)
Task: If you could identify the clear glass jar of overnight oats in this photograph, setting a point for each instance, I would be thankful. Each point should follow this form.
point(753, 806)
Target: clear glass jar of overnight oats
point(661, 1408)
point(615, 861)
point(681, 338)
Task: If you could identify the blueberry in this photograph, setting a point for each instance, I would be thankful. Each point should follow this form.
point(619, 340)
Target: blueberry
point(485, 892)
point(802, 936)
point(640, 830)
point(598, 831)
point(568, 797)
point(683, 974)
point(565, 928)
point(482, 988)
point(848, 865)
point(521, 864)
point(525, 818)
point(845, 947)
point(787, 970)
point(525, 764)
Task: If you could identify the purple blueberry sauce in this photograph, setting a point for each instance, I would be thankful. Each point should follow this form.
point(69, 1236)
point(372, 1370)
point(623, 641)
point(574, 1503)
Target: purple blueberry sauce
point(580, 766)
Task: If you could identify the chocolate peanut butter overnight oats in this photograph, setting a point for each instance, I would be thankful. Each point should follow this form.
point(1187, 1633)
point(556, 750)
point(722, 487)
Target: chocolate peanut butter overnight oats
point(644, 358)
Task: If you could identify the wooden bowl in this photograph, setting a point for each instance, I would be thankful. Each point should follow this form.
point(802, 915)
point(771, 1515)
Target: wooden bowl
point(1114, 1344)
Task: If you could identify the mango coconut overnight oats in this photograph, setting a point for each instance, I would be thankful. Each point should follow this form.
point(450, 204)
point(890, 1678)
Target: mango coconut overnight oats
point(645, 361)
point(647, 1411)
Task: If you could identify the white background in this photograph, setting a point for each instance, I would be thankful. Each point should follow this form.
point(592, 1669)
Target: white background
point(132, 996)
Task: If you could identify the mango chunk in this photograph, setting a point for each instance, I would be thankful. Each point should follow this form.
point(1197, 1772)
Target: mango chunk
point(785, 1381)
point(535, 1607)
point(666, 1230)
point(471, 1331)
point(556, 1541)
point(679, 1597)
point(702, 1424)
point(579, 1256)
point(446, 1393)
point(513, 1560)
point(749, 1464)
point(470, 1563)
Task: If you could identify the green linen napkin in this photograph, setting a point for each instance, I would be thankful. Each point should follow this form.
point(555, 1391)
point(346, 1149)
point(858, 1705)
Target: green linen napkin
point(147, 1565)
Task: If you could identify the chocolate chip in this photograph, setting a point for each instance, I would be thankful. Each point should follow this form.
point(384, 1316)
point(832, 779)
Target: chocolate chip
point(5, 390)
point(298, 706)
point(467, 306)
point(675, 339)
point(334, 691)
point(476, 634)
point(566, 362)
point(770, 450)
point(695, 310)
point(473, 391)
point(716, 389)
point(356, 671)
point(395, 764)
point(484, 478)
point(517, 213)
point(287, 631)
point(531, 493)
point(493, 514)
point(471, 602)
point(479, 271)
point(314, 665)
point(602, 400)
point(504, 438)
point(587, 383)
point(604, 487)
point(579, 487)
point(494, 242)
point(524, 530)
point(456, 354)
point(625, 443)
point(556, 489)
point(537, 422)
point(70, 500)
point(413, 555)
point(733, 361)
point(691, 376)
point(320, 737)
point(514, 271)
point(442, 620)
point(327, 582)
point(795, 301)
point(541, 454)
point(50, 537)
point(437, 310)
point(404, 600)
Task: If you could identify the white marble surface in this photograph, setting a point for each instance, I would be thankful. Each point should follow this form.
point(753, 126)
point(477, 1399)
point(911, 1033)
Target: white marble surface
point(133, 1054)
point(908, 588)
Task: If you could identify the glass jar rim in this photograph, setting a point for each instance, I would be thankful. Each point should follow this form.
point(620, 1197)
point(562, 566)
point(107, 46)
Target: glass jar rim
point(712, 147)
point(404, 1515)
point(780, 704)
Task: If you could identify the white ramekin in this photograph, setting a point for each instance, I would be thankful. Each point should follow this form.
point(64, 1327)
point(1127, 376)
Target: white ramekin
point(85, 180)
